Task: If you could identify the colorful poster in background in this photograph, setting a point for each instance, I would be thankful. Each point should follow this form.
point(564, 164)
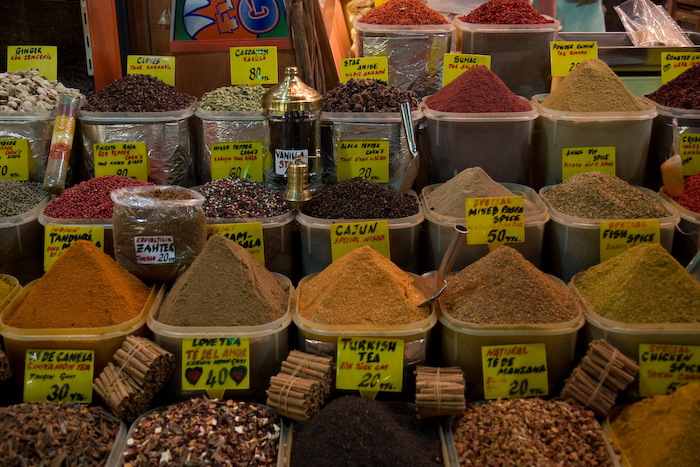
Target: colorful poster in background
point(43, 58)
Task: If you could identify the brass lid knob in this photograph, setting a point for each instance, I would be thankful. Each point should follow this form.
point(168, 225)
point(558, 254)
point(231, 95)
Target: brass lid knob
point(291, 95)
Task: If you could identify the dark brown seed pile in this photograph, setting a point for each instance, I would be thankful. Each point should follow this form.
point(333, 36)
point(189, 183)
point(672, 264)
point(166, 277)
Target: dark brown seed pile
point(138, 93)
point(682, 92)
point(167, 194)
point(367, 95)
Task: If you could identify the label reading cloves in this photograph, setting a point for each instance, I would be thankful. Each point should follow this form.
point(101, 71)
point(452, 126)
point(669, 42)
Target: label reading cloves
point(57, 239)
point(566, 55)
point(512, 371)
point(456, 64)
point(587, 159)
point(43, 58)
point(232, 159)
point(689, 150)
point(364, 68)
point(619, 236)
point(160, 67)
point(249, 235)
point(346, 236)
point(122, 159)
point(368, 159)
point(496, 220)
point(214, 364)
point(14, 159)
point(675, 63)
point(665, 367)
point(58, 375)
point(369, 365)
point(253, 65)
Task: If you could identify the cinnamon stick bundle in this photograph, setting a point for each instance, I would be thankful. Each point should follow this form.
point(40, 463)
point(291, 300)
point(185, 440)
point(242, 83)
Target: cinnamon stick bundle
point(5, 371)
point(439, 391)
point(146, 362)
point(121, 393)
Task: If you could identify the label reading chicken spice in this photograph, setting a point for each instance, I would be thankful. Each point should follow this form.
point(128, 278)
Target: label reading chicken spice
point(620, 235)
point(253, 65)
point(43, 58)
point(122, 159)
point(160, 67)
point(587, 159)
point(58, 375)
point(364, 68)
point(345, 237)
point(215, 364)
point(57, 239)
point(566, 55)
point(675, 63)
point(689, 149)
point(495, 220)
point(237, 160)
point(665, 367)
point(369, 365)
point(512, 371)
point(456, 64)
point(249, 235)
point(368, 159)
point(14, 159)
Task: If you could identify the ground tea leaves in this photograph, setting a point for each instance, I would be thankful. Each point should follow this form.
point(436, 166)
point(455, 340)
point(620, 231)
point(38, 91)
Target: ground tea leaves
point(505, 12)
point(690, 198)
point(682, 92)
point(138, 93)
point(403, 12)
point(367, 95)
point(17, 197)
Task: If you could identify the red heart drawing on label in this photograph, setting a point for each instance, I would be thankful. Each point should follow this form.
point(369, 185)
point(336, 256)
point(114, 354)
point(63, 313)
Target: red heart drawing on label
point(192, 375)
point(238, 373)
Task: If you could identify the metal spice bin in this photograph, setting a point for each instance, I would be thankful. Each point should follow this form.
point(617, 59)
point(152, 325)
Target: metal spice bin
point(37, 130)
point(21, 240)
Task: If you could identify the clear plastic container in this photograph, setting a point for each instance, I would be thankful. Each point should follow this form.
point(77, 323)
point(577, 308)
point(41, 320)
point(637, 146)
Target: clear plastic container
point(572, 244)
point(21, 242)
point(16, 289)
point(519, 52)
point(106, 224)
point(118, 444)
point(440, 229)
point(37, 129)
point(686, 242)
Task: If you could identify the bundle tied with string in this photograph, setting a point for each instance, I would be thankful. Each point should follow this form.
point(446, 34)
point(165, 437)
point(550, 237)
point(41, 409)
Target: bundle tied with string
point(439, 391)
point(5, 371)
point(601, 374)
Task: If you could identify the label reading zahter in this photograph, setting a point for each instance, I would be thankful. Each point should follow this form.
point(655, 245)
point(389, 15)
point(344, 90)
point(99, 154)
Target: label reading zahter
point(154, 249)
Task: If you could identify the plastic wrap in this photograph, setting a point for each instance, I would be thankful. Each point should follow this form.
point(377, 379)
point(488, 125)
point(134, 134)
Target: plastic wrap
point(649, 25)
point(21, 239)
point(37, 130)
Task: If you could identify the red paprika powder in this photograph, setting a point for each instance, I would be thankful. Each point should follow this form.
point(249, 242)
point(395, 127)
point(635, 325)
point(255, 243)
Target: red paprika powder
point(403, 12)
point(505, 12)
point(690, 198)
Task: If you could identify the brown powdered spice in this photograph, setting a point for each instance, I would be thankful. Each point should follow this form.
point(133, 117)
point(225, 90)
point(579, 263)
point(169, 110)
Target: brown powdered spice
point(167, 194)
point(84, 288)
point(224, 286)
point(505, 288)
point(361, 287)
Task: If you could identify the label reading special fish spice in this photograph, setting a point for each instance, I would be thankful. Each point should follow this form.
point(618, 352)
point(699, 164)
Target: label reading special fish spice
point(665, 367)
point(495, 220)
point(14, 159)
point(456, 64)
point(154, 249)
point(587, 159)
point(215, 364)
point(345, 237)
point(566, 55)
point(620, 235)
point(249, 235)
point(58, 375)
point(122, 159)
point(690, 153)
point(368, 159)
point(369, 365)
point(512, 371)
point(237, 160)
point(57, 239)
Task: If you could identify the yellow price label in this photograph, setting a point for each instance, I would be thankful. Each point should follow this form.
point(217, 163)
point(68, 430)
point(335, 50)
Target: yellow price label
point(14, 159)
point(587, 159)
point(368, 159)
point(253, 65)
point(665, 367)
point(345, 237)
point(675, 63)
point(364, 68)
point(249, 235)
point(689, 150)
point(123, 159)
point(513, 371)
point(238, 160)
point(215, 364)
point(159, 67)
point(369, 365)
point(495, 220)
point(620, 235)
point(57, 239)
point(456, 64)
point(58, 375)
point(43, 58)
point(379, 2)
point(566, 55)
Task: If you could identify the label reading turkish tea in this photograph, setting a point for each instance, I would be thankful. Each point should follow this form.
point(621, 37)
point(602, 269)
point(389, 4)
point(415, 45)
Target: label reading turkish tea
point(58, 375)
point(237, 160)
point(123, 159)
point(456, 64)
point(57, 239)
point(368, 159)
point(43, 58)
point(495, 220)
point(675, 63)
point(159, 67)
point(249, 235)
point(364, 68)
point(154, 249)
point(513, 371)
point(283, 157)
point(14, 159)
point(566, 55)
point(665, 367)
point(689, 149)
point(253, 65)
point(619, 236)
point(345, 237)
point(587, 159)
point(215, 364)
point(369, 365)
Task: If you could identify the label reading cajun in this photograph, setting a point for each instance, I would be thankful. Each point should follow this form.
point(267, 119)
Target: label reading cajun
point(587, 159)
point(512, 371)
point(364, 68)
point(123, 159)
point(154, 249)
point(283, 157)
point(238, 160)
point(618, 236)
point(345, 237)
point(253, 65)
point(675, 63)
point(689, 149)
point(369, 365)
point(57, 239)
point(215, 364)
point(566, 55)
point(159, 67)
point(249, 235)
point(368, 159)
point(456, 64)
point(665, 367)
point(58, 375)
point(43, 58)
point(14, 159)
point(495, 220)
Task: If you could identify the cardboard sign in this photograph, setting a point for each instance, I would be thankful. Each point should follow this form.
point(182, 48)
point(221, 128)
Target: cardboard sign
point(346, 236)
point(456, 64)
point(364, 68)
point(43, 58)
point(57, 239)
point(689, 149)
point(154, 249)
point(512, 371)
point(215, 364)
point(368, 159)
point(159, 67)
point(58, 375)
point(619, 236)
point(123, 159)
point(675, 63)
point(238, 160)
point(496, 220)
point(253, 65)
point(370, 365)
point(665, 367)
point(247, 234)
point(587, 159)
point(14, 159)
point(566, 55)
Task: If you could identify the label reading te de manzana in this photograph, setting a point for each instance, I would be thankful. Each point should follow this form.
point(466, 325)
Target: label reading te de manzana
point(58, 375)
point(154, 249)
point(345, 237)
point(495, 220)
point(689, 149)
point(566, 55)
point(43, 58)
point(57, 239)
point(159, 67)
point(456, 64)
point(675, 63)
point(369, 365)
point(619, 236)
point(587, 159)
point(665, 367)
point(512, 371)
point(14, 159)
point(215, 364)
point(364, 68)
point(368, 159)
point(123, 159)
point(249, 235)
point(237, 160)
point(253, 65)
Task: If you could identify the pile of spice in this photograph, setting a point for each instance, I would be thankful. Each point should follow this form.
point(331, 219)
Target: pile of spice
point(238, 98)
point(529, 432)
point(403, 12)
point(354, 431)
point(357, 198)
point(89, 199)
point(17, 197)
point(138, 93)
point(205, 432)
point(593, 87)
point(5, 289)
point(661, 430)
point(595, 195)
point(56, 434)
point(84, 288)
point(505, 12)
point(505, 288)
point(477, 90)
point(682, 92)
point(361, 287)
point(236, 198)
point(26, 91)
point(246, 294)
point(366, 95)
point(690, 198)
point(645, 284)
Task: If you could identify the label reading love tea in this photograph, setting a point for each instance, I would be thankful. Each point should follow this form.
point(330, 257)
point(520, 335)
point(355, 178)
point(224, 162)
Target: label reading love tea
point(14, 159)
point(689, 149)
point(253, 65)
point(58, 375)
point(368, 159)
point(364, 68)
point(587, 159)
point(249, 235)
point(215, 364)
point(456, 64)
point(123, 159)
point(57, 239)
point(495, 220)
point(512, 371)
point(345, 237)
point(43, 58)
point(665, 367)
point(369, 365)
point(566, 55)
point(675, 63)
point(619, 236)
point(159, 67)
point(237, 160)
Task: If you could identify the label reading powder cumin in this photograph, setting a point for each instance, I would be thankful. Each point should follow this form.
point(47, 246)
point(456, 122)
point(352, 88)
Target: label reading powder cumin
point(215, 364)
point(456, 64)
point(620, 235)
point(237, 160)
point(14, 159)
point(57, 239)
point(665, 367)
point(364, 68)
point(690, 153)
point(58, 375)
point(154, 249)
point(495, 220)
point(122, 159)
point(566, 55)
point(675, 63)
point(369, 365)
point(368, 159)
point(249, 235)
point(512, 371)
point(587, 159)
point(345, 237)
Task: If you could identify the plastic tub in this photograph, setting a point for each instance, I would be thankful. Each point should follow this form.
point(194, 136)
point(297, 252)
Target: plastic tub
point(404, 236)
point(572, 244)
point(37, 129)
point(440, 229)
point(269, 346)
point(106, 224)
point(117, 445)
point(21, 241)
point(519, 52)
point(686, 242)
point(16, 289)
point(456, 141)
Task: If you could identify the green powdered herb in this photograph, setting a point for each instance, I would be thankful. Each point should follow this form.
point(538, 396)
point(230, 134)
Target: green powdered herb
point(239, 98)
point(645, 284)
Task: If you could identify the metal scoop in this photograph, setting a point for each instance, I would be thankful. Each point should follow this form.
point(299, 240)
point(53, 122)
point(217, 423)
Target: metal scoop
point(431, 284)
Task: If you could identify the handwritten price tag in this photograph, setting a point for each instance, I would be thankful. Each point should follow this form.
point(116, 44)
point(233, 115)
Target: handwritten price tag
point(215, 364)
point(14, 159)
point(456, 64)
point(345, 237)
point(43, 58)
point(249, 235)
point(663, 368)
point(589, 159)
point(690, 153)
point(495, 220)
point(369, 365)
point(57, 238)
point(154, 249)
point(284, 157)
point(675, 63)
point(566, 55)
point(58, 375)
point(253, 65)
point(238, 160)
point(512, 371)
point(160, 67)
point(364, 68)
point(368, 159)
point(619, 236)
point(123, 159)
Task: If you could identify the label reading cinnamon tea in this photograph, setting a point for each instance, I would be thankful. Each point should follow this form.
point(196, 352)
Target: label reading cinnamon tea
point(237, 160)
point(456, 64)
point(496, 220)
point(43, 58)
point(689, 149)
point(345, 237)
point(253, 65)
point(364, 68)
point(675, 63)
point(587, 159)
point(154, 249)
point(665, 367)
point(249, 235)
point(513, 371)
point(369, 365)
point(14, 159)
point(123, 159)
point(566, 55)
point(57, 239)
point(215, 364)
point(159, 67)
point(619, 236)
point(368, 159)
point(58, 375)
